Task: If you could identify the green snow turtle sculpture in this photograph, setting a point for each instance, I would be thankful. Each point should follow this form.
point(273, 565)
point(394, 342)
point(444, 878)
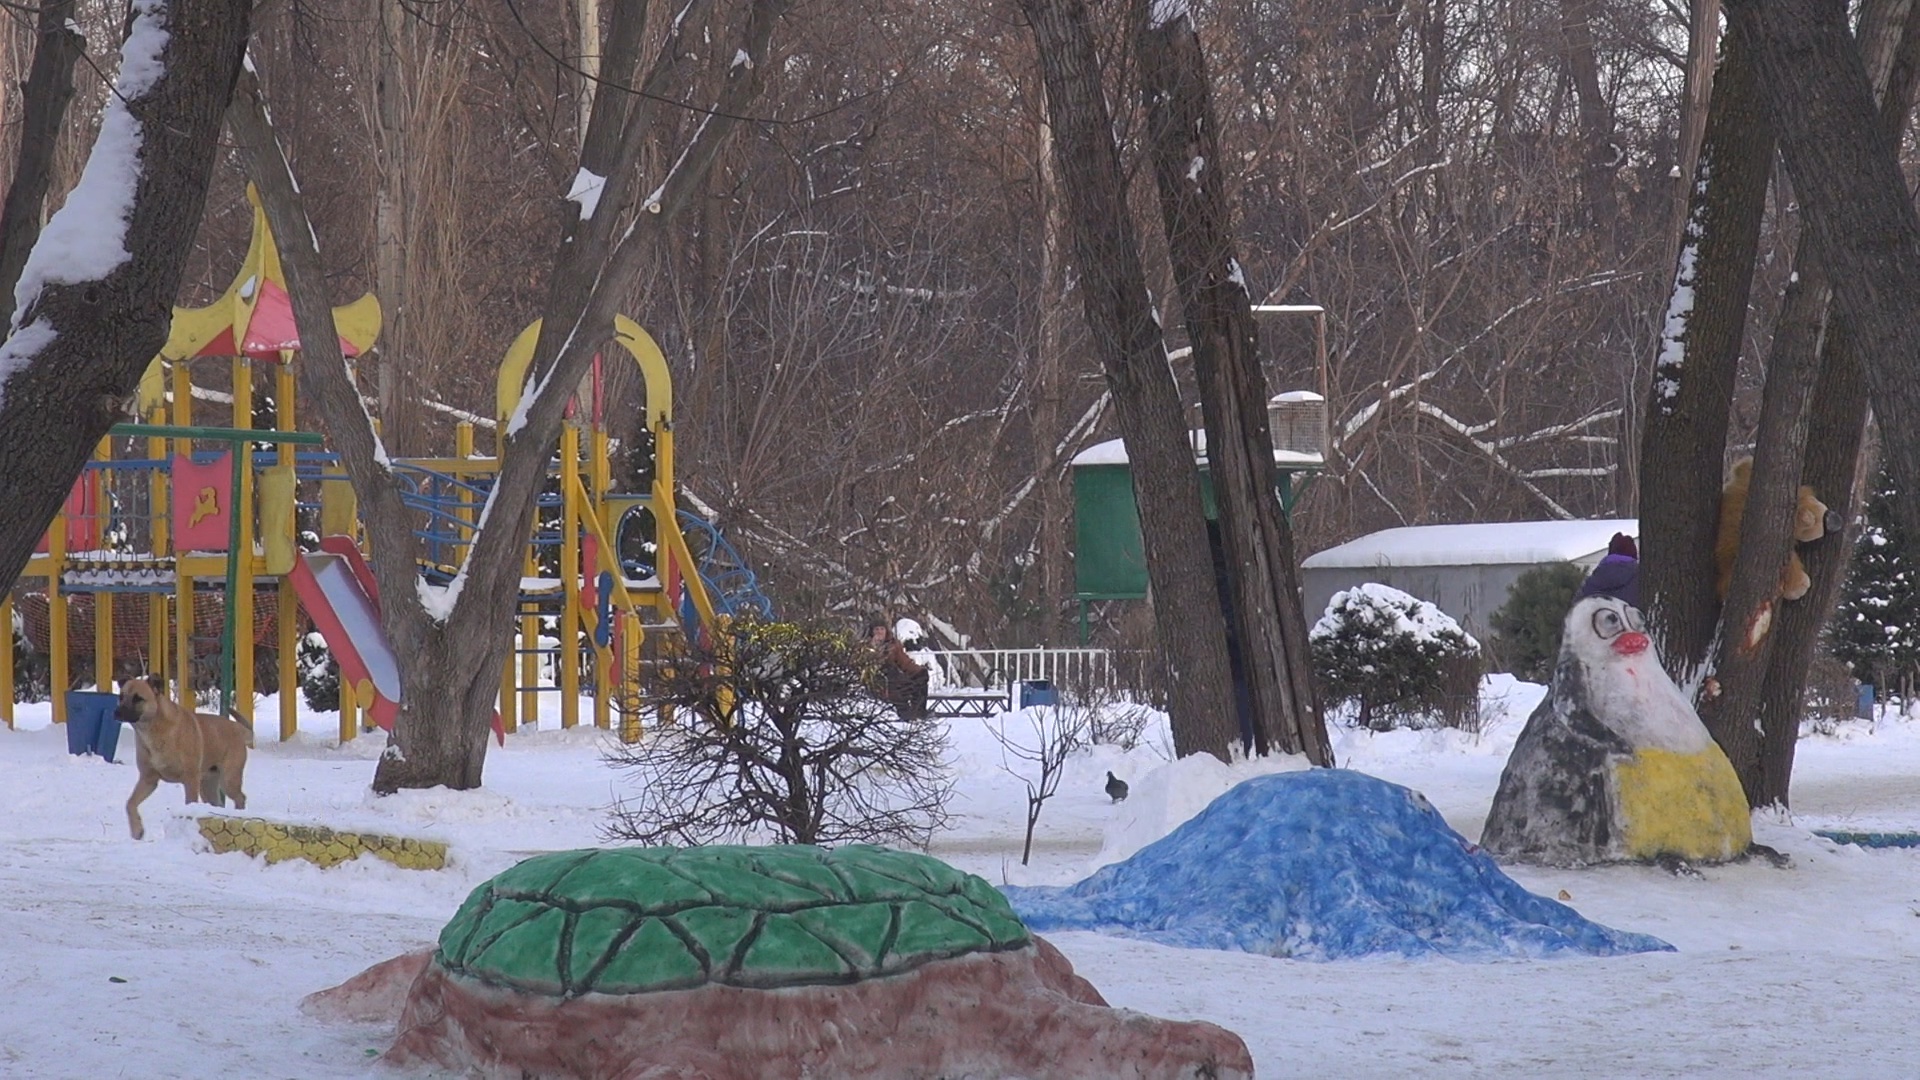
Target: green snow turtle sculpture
point(758, 963)
point(634, 920)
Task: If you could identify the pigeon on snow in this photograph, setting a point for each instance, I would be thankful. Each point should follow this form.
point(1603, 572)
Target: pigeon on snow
point(1116, 788)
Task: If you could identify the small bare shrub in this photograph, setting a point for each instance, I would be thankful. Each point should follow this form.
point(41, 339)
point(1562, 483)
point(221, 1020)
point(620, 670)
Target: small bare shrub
point(1111, 718)
point(1038, 756)
point(780, 734)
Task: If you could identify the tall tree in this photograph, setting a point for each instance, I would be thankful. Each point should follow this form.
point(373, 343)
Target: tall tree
point(1755, 646)
point(58, 46)
point(1698, 356)
point(1889, 37)
point(1846, 172)
point(451, 642)
point(397, 51)
point(95, 298)
point(1269, 624)
point(1125, 333)
point(1602, 157)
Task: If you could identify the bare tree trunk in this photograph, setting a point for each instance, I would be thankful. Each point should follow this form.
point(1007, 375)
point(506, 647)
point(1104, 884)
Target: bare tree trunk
point(1602, 156)
point(1832, 466)
point(1270, 623)
point(440, 673)
point(1729, 706)
point(1855, 201)
point(87, 331)
point(392, 110)
point(1126, 336)
point(48, 90)
point(450, 659)
point(1703, 40)
point(1685, 434)
point(1890, 44)
point(587, 24)
point(1050, 345)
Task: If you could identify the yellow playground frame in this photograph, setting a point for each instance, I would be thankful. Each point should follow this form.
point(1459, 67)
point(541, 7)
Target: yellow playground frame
point(116, 544)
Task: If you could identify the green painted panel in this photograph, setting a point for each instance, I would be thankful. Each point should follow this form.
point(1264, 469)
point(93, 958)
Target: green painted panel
point(1109, 559)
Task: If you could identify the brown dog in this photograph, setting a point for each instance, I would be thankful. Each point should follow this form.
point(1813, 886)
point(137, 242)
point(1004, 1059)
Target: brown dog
point(205, 754)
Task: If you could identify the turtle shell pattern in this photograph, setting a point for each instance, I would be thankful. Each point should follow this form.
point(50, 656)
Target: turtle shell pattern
point(643, 919)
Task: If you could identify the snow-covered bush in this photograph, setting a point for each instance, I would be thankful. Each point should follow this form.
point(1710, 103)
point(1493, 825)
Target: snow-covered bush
point(1399, 659)
point(1526, 629)
point(319, 675)
point(1877, 627)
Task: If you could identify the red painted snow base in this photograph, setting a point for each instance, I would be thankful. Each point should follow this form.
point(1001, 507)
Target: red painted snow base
point(984, 1016)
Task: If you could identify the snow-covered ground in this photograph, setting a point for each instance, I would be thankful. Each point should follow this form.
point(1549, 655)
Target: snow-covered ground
point(157, 959)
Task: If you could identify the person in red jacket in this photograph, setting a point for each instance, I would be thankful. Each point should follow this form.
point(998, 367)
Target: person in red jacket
point(904, 680)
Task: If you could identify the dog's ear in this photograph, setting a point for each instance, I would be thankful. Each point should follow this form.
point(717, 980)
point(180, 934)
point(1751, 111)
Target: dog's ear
point(159, 684)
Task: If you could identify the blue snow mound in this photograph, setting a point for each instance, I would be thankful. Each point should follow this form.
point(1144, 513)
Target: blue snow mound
point(1327, 864)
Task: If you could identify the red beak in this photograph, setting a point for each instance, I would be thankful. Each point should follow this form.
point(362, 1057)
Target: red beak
point(1631, 643)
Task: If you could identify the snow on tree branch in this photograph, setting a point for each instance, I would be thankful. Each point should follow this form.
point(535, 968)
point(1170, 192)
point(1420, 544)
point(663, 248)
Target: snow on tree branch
point(1559, 430)
point(87, 238)
point(1493, 454)
point(1673, 330)
point(1372, 410)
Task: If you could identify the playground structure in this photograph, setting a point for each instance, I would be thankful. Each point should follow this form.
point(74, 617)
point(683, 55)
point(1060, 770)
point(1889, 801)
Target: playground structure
point(169, 553)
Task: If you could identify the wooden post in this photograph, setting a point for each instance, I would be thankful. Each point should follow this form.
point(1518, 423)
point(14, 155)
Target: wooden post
point(158, 506)
point(289, 645)
point(182, 395)
point(287, 615)
point(349, 719)
point(568, 657)
point(102, 601)
point(629, 652)
point(59, 676)
point(182, 584)
point(102, 641)
point(463, 509)
point(183, 626)
point(603, 688)
point(529, 669)
point(6, 660)
point(240, 600)
point(509, 696)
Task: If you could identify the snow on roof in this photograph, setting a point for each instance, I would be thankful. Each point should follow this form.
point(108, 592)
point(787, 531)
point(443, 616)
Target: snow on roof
point(1114, 452)
point(1293, 396)
point(1478, 544)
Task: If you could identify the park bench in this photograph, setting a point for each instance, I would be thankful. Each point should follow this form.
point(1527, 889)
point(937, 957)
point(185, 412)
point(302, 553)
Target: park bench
point(956, 702)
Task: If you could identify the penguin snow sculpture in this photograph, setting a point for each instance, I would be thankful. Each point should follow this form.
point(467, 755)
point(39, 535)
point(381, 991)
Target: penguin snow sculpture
point(1615, 765)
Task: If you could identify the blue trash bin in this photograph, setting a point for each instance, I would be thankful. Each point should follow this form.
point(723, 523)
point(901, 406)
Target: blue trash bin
point(92, 727)
point(1863, 701)
point(1038, 692)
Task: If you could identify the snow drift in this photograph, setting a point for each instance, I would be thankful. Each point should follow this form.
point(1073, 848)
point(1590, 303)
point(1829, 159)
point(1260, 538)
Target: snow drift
point(1322, 865)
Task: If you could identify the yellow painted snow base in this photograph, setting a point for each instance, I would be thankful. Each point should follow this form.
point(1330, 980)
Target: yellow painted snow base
point(318, 844)
point(1689, 805)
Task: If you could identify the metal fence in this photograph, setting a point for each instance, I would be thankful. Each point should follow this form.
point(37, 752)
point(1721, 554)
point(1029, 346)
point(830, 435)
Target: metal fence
point(1076, 673)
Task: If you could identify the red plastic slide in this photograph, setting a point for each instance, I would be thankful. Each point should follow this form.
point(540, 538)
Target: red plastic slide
point(336, 586)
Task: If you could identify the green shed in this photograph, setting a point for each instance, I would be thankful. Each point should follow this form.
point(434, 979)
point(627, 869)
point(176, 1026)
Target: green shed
point(1109, 557)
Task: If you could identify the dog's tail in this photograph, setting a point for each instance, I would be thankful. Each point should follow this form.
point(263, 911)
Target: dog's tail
point(234, 715)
